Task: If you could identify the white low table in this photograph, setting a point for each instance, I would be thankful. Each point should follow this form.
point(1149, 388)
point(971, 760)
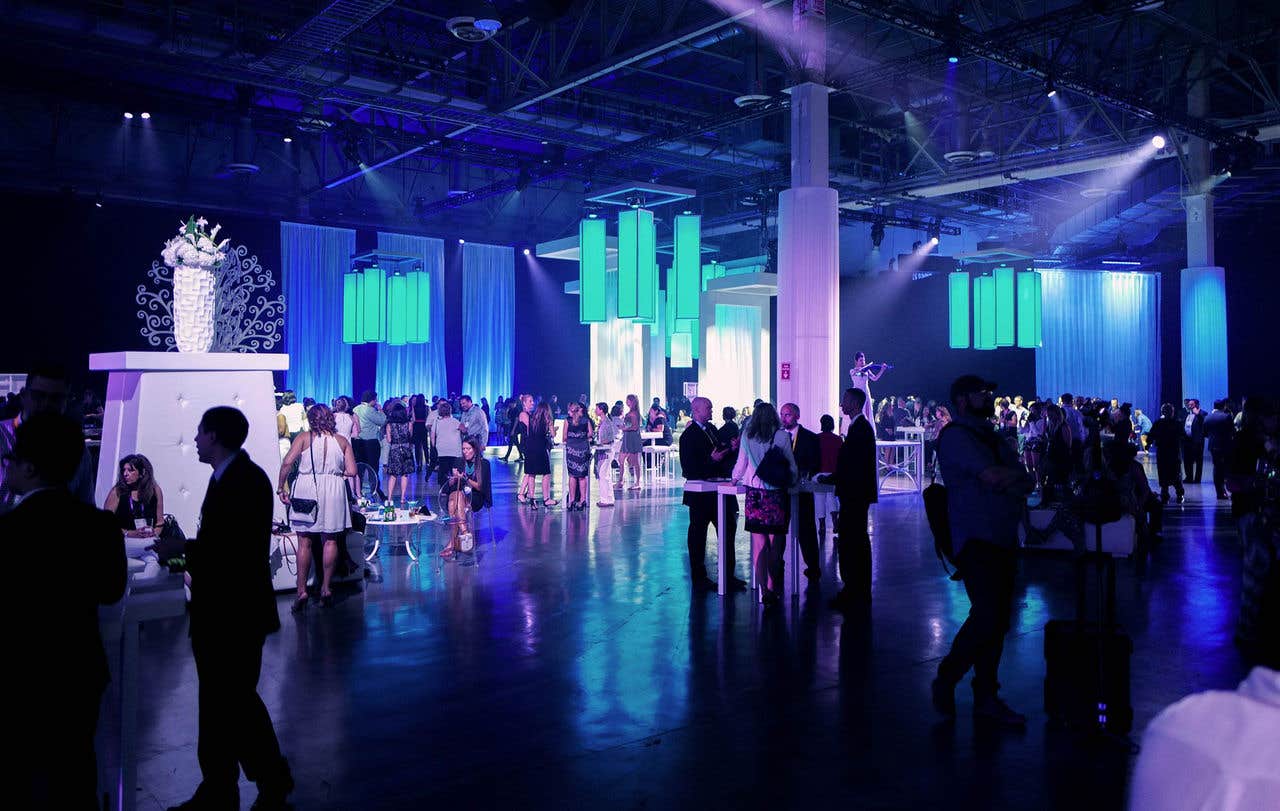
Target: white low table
point(793, 528)
point(911, 433)
point(408, 526)
point(908, 460)
point(659, 467)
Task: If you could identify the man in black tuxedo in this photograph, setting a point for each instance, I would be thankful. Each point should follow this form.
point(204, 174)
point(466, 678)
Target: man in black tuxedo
point(703, 456)
point(1193, 442)
point(855, 481)
point(804, 446)
point(233, 608)
point(60, 666)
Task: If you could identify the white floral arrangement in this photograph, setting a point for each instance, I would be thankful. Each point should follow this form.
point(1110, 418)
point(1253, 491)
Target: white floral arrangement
point(194, 247)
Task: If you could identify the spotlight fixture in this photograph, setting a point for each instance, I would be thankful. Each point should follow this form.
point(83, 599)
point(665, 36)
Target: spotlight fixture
point(288, 140)
point(953, 59)
point(526, 251)
point(1158, 141)
point(146, 116)
point(128, 116)
point(97, 201)
point(461, 241)
point(933, 240)
point(935, 232)
point(1049, 90)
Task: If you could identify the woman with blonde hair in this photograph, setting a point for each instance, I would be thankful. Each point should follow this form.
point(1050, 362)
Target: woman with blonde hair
point(325, 461)
point(631, 444)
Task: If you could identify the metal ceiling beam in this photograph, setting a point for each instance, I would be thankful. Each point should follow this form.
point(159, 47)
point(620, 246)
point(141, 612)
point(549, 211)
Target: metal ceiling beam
point(943, 29)
point(609, 66)
point(337, 21)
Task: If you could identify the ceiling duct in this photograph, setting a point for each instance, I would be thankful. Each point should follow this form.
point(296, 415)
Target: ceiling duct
point(242, 147)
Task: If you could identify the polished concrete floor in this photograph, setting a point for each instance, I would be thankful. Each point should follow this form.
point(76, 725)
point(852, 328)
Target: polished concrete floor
point(573, 668)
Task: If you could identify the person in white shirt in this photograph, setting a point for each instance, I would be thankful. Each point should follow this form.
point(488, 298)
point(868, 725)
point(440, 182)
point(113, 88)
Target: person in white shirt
point(474, 422)
point(1218, 749)
point(294, 413)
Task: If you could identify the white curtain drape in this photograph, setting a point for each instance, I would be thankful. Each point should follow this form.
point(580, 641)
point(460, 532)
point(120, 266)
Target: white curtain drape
point(617, 354)
point(1101, 337)
point(415, 368)
point(735, 360)
point(488, 320)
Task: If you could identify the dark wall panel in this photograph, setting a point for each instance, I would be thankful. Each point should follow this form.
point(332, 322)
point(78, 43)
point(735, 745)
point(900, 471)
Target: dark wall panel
point(553, 350)
point(904, 322)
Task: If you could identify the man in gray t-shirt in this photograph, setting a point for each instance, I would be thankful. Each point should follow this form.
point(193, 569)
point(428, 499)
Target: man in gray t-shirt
point(986, 491)
point(474, 423)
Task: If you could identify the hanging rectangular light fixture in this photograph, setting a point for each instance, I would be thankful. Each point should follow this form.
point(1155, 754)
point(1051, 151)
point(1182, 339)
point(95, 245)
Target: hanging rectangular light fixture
point(984, 313)
point(958, 309)
point(419, 303)
point(681, 350)
point(397, 309)
point(373, 295)
point(1030, 310)
point(637, 244)
point(687, 265)
point(1004, 277)
point(592, 292)
point(352, 308)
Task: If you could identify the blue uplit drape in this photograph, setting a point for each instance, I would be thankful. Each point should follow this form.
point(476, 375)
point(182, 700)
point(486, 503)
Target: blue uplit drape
point(1204, 334)
point(1101, 337)
point(416, 368)
point(488, 320)
point(313, 259)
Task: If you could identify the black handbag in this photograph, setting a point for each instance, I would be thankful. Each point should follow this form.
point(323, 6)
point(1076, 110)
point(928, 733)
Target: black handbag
point(773, 469)
point(307, 510)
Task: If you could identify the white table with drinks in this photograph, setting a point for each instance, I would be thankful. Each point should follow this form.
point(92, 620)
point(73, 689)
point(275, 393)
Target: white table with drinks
point(391, 525)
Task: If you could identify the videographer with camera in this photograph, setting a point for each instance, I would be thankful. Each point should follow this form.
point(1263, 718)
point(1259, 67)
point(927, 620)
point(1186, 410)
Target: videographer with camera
point(987, 490)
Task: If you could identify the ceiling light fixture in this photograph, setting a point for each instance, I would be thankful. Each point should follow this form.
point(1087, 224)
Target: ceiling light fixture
point(1158, 141)
point(128, 116)
point(146, 116)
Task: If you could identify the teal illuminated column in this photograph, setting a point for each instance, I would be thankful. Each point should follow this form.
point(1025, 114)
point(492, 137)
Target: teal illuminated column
point(958, 309)
point(1030, 310)
point(419, 307)
point(647, 304)
point(373, 295)
point(1005, 297)
point(984, 313)
point(397, 310)
point(591, 271)
point(352, 308)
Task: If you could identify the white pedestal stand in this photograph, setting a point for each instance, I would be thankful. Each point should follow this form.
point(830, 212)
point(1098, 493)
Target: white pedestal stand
point(154, 403)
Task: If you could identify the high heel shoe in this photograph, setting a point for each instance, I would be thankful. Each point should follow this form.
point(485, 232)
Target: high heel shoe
point(299, 605)
point(521, 499)
point(326, 601)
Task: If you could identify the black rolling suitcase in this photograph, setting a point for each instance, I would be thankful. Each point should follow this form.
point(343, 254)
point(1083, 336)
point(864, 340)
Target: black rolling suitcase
point(1086, 683)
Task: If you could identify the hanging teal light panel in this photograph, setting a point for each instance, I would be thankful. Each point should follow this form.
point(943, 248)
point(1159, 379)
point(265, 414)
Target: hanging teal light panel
point(592, 279)
point(647, 307)
point(637, 244)
point(352, 308)
point(958, 309)
point(373, 294)
point(1030, 310)
point(687, 266)
point(397, 310)
point(984, 313)
point(419, 306)
point(1004, 276)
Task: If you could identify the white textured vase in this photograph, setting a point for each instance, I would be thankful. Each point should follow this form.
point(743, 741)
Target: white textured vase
point(194, 294)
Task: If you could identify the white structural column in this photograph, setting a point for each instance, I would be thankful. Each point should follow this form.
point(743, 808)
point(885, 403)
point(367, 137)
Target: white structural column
point(1203, 283)
point(809, 266)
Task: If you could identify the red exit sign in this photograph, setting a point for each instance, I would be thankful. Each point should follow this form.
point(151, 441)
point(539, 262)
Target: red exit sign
point(786, 371)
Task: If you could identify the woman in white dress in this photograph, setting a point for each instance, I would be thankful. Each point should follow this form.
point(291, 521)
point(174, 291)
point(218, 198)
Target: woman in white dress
point(862, 375)
point(325, 462)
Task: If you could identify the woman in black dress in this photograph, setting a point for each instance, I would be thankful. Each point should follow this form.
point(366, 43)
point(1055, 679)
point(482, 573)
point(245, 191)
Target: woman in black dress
point(418, 415)
point(537, 457)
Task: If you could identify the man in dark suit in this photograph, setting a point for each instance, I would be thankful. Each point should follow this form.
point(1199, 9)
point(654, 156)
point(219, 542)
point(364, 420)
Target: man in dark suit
point(233, 608)
point(1220, 430)
point(61, 668)
point(702, 456)
point(804, 446)
point(855, 481)
point(1193, 442)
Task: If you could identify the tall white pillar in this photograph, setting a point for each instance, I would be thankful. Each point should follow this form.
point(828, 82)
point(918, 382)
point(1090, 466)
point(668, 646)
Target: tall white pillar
point(809, 266)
